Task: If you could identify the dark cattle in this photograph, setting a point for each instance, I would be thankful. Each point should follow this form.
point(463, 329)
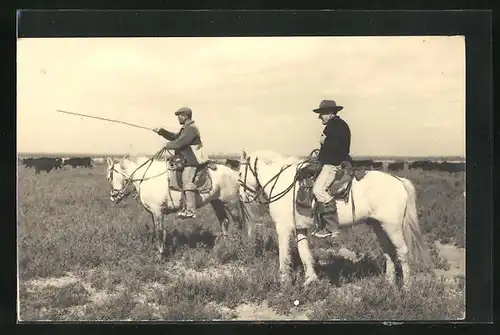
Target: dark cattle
point(79, 161)
point(28, 162)
point(429, 166)
point(233, 163)
point(43, 163)
point(424, 165)
point(415, 165)
point(396, 166)
point(59, 163)
point(378, 165)
point(365, 164)
point(450, 167)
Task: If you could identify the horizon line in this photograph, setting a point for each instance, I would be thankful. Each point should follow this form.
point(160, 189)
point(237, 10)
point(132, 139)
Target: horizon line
point(219, 154)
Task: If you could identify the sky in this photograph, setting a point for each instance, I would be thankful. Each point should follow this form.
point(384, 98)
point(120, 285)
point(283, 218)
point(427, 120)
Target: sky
point(402, 96)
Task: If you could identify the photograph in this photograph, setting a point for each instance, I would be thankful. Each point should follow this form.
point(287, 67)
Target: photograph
point(245, 178)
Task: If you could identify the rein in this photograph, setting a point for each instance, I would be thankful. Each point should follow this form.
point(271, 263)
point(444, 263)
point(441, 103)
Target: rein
point(129, 180)
point(260, 191)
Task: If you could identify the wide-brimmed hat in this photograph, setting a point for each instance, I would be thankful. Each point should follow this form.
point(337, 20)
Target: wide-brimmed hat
point(184, 111)
point(328, 106)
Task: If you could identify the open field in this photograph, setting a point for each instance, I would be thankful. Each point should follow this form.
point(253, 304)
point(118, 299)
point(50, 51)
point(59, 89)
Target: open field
point(83, 258)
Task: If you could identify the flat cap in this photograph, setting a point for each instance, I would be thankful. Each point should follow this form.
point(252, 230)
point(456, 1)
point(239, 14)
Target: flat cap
point(184, 111)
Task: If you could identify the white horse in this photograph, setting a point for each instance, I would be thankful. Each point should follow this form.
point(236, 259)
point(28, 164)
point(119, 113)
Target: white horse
point(385, 202)
point(150, 179)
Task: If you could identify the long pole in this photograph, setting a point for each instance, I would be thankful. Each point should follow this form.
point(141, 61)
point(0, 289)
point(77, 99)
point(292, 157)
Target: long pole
point(101, 118)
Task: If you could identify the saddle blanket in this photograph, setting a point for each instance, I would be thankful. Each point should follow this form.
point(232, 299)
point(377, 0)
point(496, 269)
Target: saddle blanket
point(202, 180)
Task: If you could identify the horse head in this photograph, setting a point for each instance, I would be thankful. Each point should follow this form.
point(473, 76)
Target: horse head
point(255, 166)
point(117, 178)
point(247, 177)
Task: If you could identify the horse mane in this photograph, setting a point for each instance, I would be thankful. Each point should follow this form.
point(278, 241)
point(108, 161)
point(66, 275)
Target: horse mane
point(137, 160)
point(269, 157)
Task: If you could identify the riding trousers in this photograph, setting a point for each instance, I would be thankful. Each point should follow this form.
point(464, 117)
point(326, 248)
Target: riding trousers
point(188, 175)
point(324, 181)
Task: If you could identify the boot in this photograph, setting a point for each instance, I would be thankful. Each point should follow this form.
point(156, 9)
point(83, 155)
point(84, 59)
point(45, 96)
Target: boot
point(182, 212)
point(189, 213)
point(328, 220)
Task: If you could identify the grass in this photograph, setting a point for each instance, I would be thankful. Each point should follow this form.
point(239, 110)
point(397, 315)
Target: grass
point(429, 299)
point(67, 224)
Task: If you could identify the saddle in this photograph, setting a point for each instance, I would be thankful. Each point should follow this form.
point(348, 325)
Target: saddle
point(339, 189)
point(202, 179)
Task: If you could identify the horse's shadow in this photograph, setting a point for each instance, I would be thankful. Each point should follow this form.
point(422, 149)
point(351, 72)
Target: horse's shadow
point(194, 238)
point(338, 269)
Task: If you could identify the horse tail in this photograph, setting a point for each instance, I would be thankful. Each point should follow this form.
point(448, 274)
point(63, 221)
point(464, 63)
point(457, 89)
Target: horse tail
point(413, 238)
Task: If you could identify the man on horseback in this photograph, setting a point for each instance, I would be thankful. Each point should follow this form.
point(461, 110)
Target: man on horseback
point(186, 143)
point(335, 146)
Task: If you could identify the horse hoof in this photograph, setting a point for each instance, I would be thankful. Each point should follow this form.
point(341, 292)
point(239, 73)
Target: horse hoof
point(310, 281)
point(160, 256)
point(286, 282)
point(220, 238)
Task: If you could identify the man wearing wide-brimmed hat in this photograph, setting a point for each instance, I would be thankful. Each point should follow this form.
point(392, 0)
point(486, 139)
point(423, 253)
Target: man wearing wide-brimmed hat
point(335, 146)
point(186, 143)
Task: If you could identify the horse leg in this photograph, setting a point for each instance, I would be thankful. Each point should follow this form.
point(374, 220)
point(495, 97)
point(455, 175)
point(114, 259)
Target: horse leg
point(306, 256)
point(388, 249)
point(401, 259)
point(220, 212)
point(284, 234)
point(160, 239)
point(398, 251)
point(163, 228)
point(153, 235)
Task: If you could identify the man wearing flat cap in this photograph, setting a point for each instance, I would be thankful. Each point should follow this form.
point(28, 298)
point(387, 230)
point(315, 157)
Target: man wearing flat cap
point(186, 143)
point(335, 146)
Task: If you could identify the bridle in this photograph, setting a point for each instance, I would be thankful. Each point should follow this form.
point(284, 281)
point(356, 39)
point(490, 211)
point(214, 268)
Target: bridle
point(259, 192)
point(119, 194)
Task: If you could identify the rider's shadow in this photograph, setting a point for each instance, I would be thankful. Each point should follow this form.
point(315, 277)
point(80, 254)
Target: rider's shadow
point(338, 269)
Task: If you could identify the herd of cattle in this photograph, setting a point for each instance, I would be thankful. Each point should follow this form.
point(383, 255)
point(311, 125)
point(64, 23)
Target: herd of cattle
point(425, 165)
point(49, 163)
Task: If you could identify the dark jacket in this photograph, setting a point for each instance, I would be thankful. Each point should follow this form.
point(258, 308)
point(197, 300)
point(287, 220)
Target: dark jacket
point(187, 143)
point(336, 142)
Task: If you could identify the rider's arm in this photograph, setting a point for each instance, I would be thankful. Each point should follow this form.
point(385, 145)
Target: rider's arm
point(167, 134)
point(185, 139)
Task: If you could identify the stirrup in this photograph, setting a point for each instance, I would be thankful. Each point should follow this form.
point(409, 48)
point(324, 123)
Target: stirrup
point(322, 233)
point(187, 215)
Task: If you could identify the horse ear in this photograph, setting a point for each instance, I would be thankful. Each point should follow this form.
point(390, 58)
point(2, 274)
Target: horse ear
point(244, 154)
point(109, 161)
